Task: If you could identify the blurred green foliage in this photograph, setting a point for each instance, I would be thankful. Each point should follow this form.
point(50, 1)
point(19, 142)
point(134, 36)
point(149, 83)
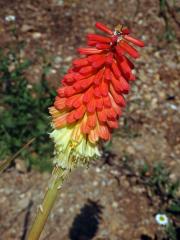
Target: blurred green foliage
point(24, 112)
point(159, 182)
point(167, 10)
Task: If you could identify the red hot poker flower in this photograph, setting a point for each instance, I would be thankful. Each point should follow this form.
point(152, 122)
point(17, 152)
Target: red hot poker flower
point(88, 106)
point(90, 100)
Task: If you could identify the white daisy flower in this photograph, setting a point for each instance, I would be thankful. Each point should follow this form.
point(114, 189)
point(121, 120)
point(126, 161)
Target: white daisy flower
point(161, 219)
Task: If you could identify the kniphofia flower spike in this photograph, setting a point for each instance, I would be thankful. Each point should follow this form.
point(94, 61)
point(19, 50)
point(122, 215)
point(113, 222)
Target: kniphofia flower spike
point(90, 100)
point(88, 106)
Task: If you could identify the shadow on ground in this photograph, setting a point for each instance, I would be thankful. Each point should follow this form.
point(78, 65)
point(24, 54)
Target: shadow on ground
point(85, 224)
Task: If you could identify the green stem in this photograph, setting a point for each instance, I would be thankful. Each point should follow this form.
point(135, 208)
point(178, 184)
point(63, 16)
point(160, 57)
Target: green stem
point(6, 162)
point(57, 179)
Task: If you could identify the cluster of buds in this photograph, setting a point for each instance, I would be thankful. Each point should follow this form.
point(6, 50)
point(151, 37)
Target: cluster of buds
point(90, 101)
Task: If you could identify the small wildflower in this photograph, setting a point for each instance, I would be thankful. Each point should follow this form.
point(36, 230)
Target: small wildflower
point(90, 100)
point(162, 219)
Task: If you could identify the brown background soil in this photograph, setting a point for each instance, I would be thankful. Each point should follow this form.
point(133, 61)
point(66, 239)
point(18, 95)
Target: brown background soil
point(105, 198)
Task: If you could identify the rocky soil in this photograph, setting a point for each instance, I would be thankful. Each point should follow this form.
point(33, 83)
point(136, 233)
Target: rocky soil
point(106, 201)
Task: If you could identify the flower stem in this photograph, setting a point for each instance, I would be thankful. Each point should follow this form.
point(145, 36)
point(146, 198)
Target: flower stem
point(56, 181)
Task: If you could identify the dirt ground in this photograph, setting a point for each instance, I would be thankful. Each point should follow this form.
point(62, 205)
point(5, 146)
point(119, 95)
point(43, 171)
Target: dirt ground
point(106, 201)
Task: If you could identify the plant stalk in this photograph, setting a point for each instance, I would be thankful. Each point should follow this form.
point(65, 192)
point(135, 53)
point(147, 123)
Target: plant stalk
point(6, 162)
point(56, 181)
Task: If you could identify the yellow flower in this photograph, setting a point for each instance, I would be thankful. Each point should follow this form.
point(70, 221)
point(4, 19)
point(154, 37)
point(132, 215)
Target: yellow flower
point(72, 148)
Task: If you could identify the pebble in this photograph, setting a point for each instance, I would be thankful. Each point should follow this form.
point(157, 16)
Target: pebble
point(111, 2)
point(162, 95)
point(20, 166)
point(8, 191)
point(104, 183)
point(53, 71)
point(173, 177)
point(154, 103)
point(61, 210)
point(59, 2)
point(115, 204)
point(71, 209)
point(3, 199)
point(36, 35)
point(124, 182)
point(173, 106)
point(68, 59)
point(26, 28)
point(131, 150)
point(23, 203)
point(115, 172)
point(98, 170)
point(95, 183)
point(58, 60)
